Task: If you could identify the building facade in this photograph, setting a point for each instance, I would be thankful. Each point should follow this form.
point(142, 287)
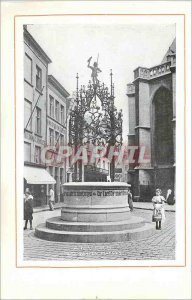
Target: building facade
point(36, 62)
point(152, 118)
point(57, 106)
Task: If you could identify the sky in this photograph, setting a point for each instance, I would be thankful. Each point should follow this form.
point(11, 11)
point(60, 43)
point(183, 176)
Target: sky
point(121, 47)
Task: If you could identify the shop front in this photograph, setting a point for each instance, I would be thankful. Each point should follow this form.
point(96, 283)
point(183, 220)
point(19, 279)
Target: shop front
point(37, 180)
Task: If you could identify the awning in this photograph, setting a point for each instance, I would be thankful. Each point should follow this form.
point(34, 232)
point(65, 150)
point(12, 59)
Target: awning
point(35, 175)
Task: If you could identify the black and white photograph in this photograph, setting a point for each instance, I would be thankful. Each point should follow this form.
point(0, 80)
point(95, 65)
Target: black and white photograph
point(99, 141)
point(96, 149)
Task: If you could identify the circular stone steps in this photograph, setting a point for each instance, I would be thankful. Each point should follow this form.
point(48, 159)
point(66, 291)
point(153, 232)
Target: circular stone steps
point(144, 231)
point(58, 224)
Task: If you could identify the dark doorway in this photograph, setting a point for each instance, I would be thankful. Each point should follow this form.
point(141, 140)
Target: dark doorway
point(163, 129)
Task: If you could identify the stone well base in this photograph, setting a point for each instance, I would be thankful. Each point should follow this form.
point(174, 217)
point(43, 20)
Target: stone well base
point(94, 213)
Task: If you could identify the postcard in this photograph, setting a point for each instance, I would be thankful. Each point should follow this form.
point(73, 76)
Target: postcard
point(95, 138)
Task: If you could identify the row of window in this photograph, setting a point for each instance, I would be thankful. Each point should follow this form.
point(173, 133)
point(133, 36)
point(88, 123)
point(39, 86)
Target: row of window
point(37, 113)
point(27, 153)
point(55, 138)
point(59, 139)
point(37, 154)
point(28, 73)
point(28, 117)
point(56, 110)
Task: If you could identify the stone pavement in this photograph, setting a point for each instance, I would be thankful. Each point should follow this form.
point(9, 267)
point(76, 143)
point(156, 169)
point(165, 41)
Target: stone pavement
point(159, 246)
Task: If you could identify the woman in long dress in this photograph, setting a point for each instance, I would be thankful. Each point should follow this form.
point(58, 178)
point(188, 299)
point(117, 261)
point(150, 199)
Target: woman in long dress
point(28, 209)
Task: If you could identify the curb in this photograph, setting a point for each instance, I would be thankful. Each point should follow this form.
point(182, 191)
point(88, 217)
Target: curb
point(44, 209)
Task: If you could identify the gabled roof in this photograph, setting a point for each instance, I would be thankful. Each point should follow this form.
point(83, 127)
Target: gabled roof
point(28, 37)
point(170, 51)
point(54, 82)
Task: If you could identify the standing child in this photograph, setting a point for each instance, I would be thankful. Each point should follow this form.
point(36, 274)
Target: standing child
point(158, 212)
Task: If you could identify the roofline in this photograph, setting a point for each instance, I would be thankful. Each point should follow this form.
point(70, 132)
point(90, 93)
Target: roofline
point(155, 66)
point(36, 45)
point(140, 67)
point(52, 80)
point(160, 63)
point(165, 55)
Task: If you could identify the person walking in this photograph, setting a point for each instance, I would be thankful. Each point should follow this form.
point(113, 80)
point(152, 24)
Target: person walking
point(28, 209)
point(51, 199)
point(159, 212)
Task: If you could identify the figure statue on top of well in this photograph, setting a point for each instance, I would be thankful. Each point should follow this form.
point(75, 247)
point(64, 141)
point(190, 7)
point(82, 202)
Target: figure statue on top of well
point(95, 70)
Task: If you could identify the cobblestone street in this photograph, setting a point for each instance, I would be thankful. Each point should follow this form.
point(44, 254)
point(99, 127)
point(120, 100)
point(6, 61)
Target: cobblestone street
point(159, 246)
